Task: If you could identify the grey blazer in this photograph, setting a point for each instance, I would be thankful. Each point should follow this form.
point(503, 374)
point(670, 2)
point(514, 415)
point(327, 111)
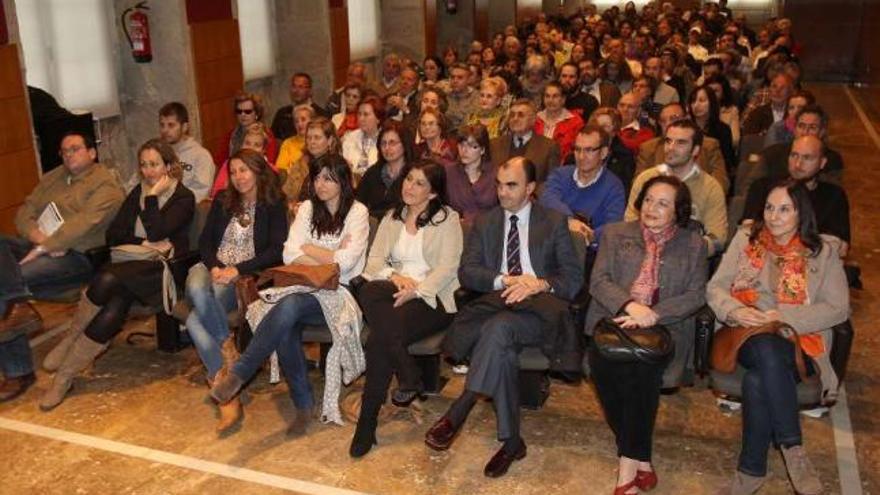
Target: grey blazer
point(683, 273)
point(551, 251)
point(441, 247)
point(542, 151)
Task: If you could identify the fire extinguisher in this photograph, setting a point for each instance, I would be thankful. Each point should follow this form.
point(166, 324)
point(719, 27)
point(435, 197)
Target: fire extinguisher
point(137, 30)
point(452, 6)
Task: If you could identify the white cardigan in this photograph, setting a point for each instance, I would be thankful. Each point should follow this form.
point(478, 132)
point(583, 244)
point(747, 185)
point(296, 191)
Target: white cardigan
point(352, 258)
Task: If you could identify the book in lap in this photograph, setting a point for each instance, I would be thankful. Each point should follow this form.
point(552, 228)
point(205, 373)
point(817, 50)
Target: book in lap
point(50, 220)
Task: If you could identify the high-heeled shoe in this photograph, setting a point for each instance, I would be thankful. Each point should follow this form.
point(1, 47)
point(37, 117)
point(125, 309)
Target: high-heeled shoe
point(646, 480)
point(623, 489)
point(363, 441)
point(403, 398)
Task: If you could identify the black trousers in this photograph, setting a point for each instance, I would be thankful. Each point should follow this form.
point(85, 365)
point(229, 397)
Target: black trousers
point(109, 292)
point(391, 331)
point(630, 395)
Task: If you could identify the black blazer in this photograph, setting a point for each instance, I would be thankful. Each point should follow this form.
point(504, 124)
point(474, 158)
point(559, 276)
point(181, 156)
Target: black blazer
point(270, 232)
point(551, 252)
point(170, 222)
point(373, 193)
point(721, 131)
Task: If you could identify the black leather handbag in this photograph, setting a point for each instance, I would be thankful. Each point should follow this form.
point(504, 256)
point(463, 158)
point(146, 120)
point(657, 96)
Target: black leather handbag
point(652, 345)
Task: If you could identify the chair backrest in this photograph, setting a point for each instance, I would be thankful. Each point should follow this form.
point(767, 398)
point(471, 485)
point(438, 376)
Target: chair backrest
point(200, 217)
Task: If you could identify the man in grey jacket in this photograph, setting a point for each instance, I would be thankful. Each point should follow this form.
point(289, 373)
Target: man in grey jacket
point(198, 166)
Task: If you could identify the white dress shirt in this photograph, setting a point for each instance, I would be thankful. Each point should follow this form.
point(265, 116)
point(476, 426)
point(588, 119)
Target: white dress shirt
point(522, 225)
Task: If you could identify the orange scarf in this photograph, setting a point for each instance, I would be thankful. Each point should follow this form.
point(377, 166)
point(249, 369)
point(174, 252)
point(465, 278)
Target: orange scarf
point(791, 288)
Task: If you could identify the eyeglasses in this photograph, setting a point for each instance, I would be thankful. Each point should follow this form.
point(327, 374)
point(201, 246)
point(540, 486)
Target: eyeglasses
point(587, 149)
point(145, 164)
point(246, 111)
point(71, 151)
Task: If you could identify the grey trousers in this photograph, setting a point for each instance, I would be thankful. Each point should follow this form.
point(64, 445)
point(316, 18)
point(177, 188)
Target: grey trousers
point(494, 366)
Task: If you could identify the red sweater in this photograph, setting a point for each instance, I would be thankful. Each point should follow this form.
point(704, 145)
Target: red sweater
point(564, 133)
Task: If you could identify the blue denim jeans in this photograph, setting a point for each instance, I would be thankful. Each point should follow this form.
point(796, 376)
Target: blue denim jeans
point(281, 330)
point(206, 322)
point(769, 398)
point(15, 357)
point(43, 276)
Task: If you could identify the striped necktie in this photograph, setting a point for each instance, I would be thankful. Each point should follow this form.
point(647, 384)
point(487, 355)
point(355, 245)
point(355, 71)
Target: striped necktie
point(514, 265)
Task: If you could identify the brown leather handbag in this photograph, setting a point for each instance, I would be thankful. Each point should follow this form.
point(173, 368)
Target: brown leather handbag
point(316, 276)
point(728, 340)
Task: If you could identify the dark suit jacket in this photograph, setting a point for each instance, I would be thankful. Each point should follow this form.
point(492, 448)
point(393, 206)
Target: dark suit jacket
point(609, 93)
point(554, 259)
point(543, 152)
point(270, 232)
point(551, 252)
point(282, 124)
point(758, 120)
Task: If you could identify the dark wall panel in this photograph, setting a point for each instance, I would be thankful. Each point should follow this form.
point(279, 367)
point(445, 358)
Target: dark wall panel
point(829, 31)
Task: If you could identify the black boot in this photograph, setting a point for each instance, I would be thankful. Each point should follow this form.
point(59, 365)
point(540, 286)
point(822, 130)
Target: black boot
point(364, 438)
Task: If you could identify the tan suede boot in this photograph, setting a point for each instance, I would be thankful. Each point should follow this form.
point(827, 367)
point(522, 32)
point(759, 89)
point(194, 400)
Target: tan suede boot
point(83, 315)
point(231, 410)
point(83, 351)
point(742, 484)
point(800, 471)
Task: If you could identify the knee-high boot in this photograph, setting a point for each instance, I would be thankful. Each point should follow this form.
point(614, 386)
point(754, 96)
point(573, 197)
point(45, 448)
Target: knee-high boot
point(82, 352)
point(84, 314)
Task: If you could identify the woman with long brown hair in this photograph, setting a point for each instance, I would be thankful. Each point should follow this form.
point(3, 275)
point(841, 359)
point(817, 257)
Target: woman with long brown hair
point(330, 227)
point(153, 220)
point(243, 234)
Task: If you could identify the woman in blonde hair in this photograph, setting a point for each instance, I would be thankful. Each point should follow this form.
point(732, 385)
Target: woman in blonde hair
point(492, 112)
point(257, 139)
point(321, 139)
point(155, 217)
point(292, 147)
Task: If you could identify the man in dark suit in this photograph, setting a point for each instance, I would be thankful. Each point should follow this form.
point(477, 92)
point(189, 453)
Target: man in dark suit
point(300, 94)
point(605, 92)
point(522, 141)
point(576, 100)
point(761, 118)
point(521, 256)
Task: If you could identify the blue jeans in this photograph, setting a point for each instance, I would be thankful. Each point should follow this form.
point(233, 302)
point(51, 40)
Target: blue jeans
point(44, 276)
point(206, 323)
point(769, 398)
point(281, 330)
point(40, 277)
point(15, 357)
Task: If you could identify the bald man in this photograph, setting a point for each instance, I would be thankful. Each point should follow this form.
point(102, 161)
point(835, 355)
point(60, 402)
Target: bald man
point(806, 161)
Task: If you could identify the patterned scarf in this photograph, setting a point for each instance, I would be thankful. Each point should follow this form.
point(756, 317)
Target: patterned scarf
point(644, 288)
point(791, 287)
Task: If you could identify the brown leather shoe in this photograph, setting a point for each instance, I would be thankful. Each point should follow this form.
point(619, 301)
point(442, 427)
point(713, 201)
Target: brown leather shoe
point(441, 435)
point(13, 387)
point(20, 317)
point(501, 461)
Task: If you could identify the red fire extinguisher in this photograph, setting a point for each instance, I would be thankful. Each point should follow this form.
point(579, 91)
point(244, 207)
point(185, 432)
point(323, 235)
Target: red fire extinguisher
point(137, 29)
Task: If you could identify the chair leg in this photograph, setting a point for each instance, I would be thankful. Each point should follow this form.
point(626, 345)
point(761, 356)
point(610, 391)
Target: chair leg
point(432, 380)
point(168, 335)
point(534, 388)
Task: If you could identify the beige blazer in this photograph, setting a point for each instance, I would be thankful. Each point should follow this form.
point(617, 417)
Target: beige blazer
point(827, 289)
point(442, 246)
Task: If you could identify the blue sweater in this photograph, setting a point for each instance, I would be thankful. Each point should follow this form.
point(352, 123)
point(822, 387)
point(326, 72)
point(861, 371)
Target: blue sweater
point(603, 202)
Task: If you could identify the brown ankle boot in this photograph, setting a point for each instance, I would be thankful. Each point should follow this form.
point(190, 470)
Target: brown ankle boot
point(800, 471)
point(20, 317)
point(83, 315)
point(83, 351)
point(742, 484)
point(300, 424)
point(230, 414)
